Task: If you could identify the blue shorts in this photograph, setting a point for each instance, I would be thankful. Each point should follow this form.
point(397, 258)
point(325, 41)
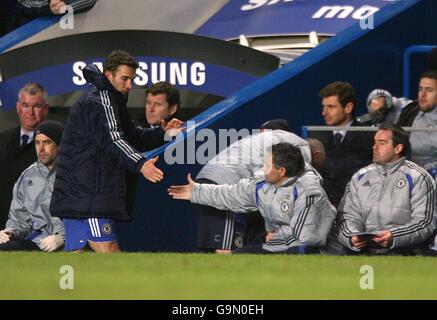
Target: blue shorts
point(79, 231)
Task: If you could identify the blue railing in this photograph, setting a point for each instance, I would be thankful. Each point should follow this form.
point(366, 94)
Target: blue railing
point(26, 31)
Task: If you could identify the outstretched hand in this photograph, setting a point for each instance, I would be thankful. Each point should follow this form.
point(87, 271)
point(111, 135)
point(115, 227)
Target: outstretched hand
point(182, 192)
point(150, 172)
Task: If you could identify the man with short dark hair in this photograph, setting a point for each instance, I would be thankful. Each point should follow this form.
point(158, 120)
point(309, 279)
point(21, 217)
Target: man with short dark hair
point(99, 144)
point(162, 103)
point(389, 206)
point(17, 144)
point(422, 113)
point(296, 210)
point(346, 151)
point(30, 225)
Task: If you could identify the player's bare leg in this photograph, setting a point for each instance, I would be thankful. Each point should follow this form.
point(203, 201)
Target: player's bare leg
point(223, 251)
point(104, 247)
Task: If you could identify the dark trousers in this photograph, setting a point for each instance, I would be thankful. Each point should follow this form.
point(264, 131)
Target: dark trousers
point(19, 245)
point(258, 249)
point(218, 229)
point(211, 224)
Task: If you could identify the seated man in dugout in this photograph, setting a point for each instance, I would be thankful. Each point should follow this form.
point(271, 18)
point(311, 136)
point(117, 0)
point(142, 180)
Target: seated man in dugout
point(388, 207)
point(30, 225)
point(346, 151)
point(420, 114)
point(296, 210)
point(162, 103)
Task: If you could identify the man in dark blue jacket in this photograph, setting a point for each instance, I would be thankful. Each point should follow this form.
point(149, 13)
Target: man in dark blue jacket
point(100, 142)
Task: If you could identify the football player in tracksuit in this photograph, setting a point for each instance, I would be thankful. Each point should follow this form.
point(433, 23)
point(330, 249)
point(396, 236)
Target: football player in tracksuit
point(389, 206)
point(296, 210)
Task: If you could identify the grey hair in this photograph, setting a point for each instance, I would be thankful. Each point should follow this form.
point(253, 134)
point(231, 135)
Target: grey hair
point(33, 88)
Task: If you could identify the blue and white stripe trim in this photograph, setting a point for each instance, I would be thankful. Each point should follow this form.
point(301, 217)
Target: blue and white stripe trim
point(113, 130)
point(94, 227)
point(229, 231)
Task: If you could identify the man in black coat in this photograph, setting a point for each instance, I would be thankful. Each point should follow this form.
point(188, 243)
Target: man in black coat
point(18, 151)
point(99, 144)
point(346, 151)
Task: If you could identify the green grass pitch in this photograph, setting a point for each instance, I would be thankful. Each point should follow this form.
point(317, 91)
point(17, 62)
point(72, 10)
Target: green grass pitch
point(207, 276)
